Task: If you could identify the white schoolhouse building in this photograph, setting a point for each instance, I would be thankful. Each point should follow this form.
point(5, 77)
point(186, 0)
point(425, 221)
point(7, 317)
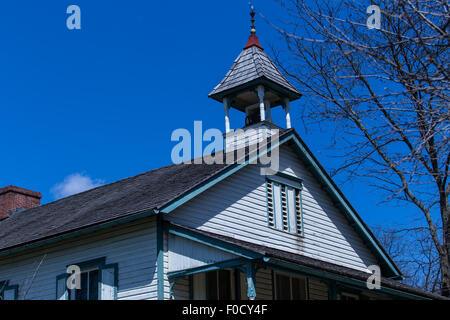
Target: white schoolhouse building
point(204, 231)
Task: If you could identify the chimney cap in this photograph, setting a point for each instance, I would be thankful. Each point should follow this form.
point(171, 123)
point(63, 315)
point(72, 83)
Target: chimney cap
point(23, 191)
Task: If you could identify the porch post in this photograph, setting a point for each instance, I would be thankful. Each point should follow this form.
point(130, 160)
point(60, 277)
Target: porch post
point(250, 273)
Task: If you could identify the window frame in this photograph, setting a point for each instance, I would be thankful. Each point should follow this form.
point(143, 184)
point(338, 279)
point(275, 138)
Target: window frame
point(87, 266)
point(290, 276)
point(285, 180)
point(99, 283)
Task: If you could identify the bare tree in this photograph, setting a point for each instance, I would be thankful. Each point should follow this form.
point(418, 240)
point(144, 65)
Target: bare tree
point(414, 252)
point(385, 92)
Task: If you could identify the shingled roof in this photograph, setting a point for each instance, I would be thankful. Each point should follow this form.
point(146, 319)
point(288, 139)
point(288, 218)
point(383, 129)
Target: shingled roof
point(140, 193)
point(139, 196)
point(251, 65)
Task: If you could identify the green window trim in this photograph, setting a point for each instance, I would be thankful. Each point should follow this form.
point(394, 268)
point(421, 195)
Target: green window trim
point(99, 263)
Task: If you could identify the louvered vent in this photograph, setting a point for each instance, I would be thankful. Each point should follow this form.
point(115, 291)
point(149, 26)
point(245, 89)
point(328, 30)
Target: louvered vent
point(298, 211)
point(270, 209)
point(284, 209)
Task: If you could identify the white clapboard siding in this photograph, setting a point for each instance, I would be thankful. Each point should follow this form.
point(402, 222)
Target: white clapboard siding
point(131, 246)
point(237, 207)
point(166, 267)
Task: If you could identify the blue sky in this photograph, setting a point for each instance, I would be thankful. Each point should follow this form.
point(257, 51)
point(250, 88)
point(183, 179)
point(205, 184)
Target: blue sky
point(99, 104)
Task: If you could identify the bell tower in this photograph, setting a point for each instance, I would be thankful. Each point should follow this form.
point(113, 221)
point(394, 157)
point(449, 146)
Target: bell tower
point(254, 86)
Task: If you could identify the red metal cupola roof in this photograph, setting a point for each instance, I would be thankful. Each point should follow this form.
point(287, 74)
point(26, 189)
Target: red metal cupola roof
point(253, 41)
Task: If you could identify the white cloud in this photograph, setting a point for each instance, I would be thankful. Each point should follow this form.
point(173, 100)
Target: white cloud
point(74, 183)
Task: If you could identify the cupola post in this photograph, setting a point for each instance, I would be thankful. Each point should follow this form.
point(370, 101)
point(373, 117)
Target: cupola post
point(287, 108)
point(262, 111)
point(226, 107)
point(268, 114)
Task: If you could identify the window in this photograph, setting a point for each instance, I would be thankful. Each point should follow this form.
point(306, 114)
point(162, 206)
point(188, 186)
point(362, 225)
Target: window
point(290, 288)
point(284, 207)
point(218, 285)
point(98, 281)
point(89, 283)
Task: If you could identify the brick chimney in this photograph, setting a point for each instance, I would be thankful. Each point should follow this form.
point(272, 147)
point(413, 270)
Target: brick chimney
point(15, 198)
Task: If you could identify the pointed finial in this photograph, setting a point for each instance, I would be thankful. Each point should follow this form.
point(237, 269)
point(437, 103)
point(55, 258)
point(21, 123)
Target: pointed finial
point(252, 14)
point(253, 39)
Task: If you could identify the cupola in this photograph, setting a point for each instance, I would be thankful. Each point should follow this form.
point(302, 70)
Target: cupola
point(254, 85)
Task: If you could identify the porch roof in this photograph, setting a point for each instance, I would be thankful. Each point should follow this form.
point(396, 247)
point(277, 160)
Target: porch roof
point(280, 259)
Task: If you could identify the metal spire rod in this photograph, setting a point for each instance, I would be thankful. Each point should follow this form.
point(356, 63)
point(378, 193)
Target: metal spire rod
point(252, 14)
